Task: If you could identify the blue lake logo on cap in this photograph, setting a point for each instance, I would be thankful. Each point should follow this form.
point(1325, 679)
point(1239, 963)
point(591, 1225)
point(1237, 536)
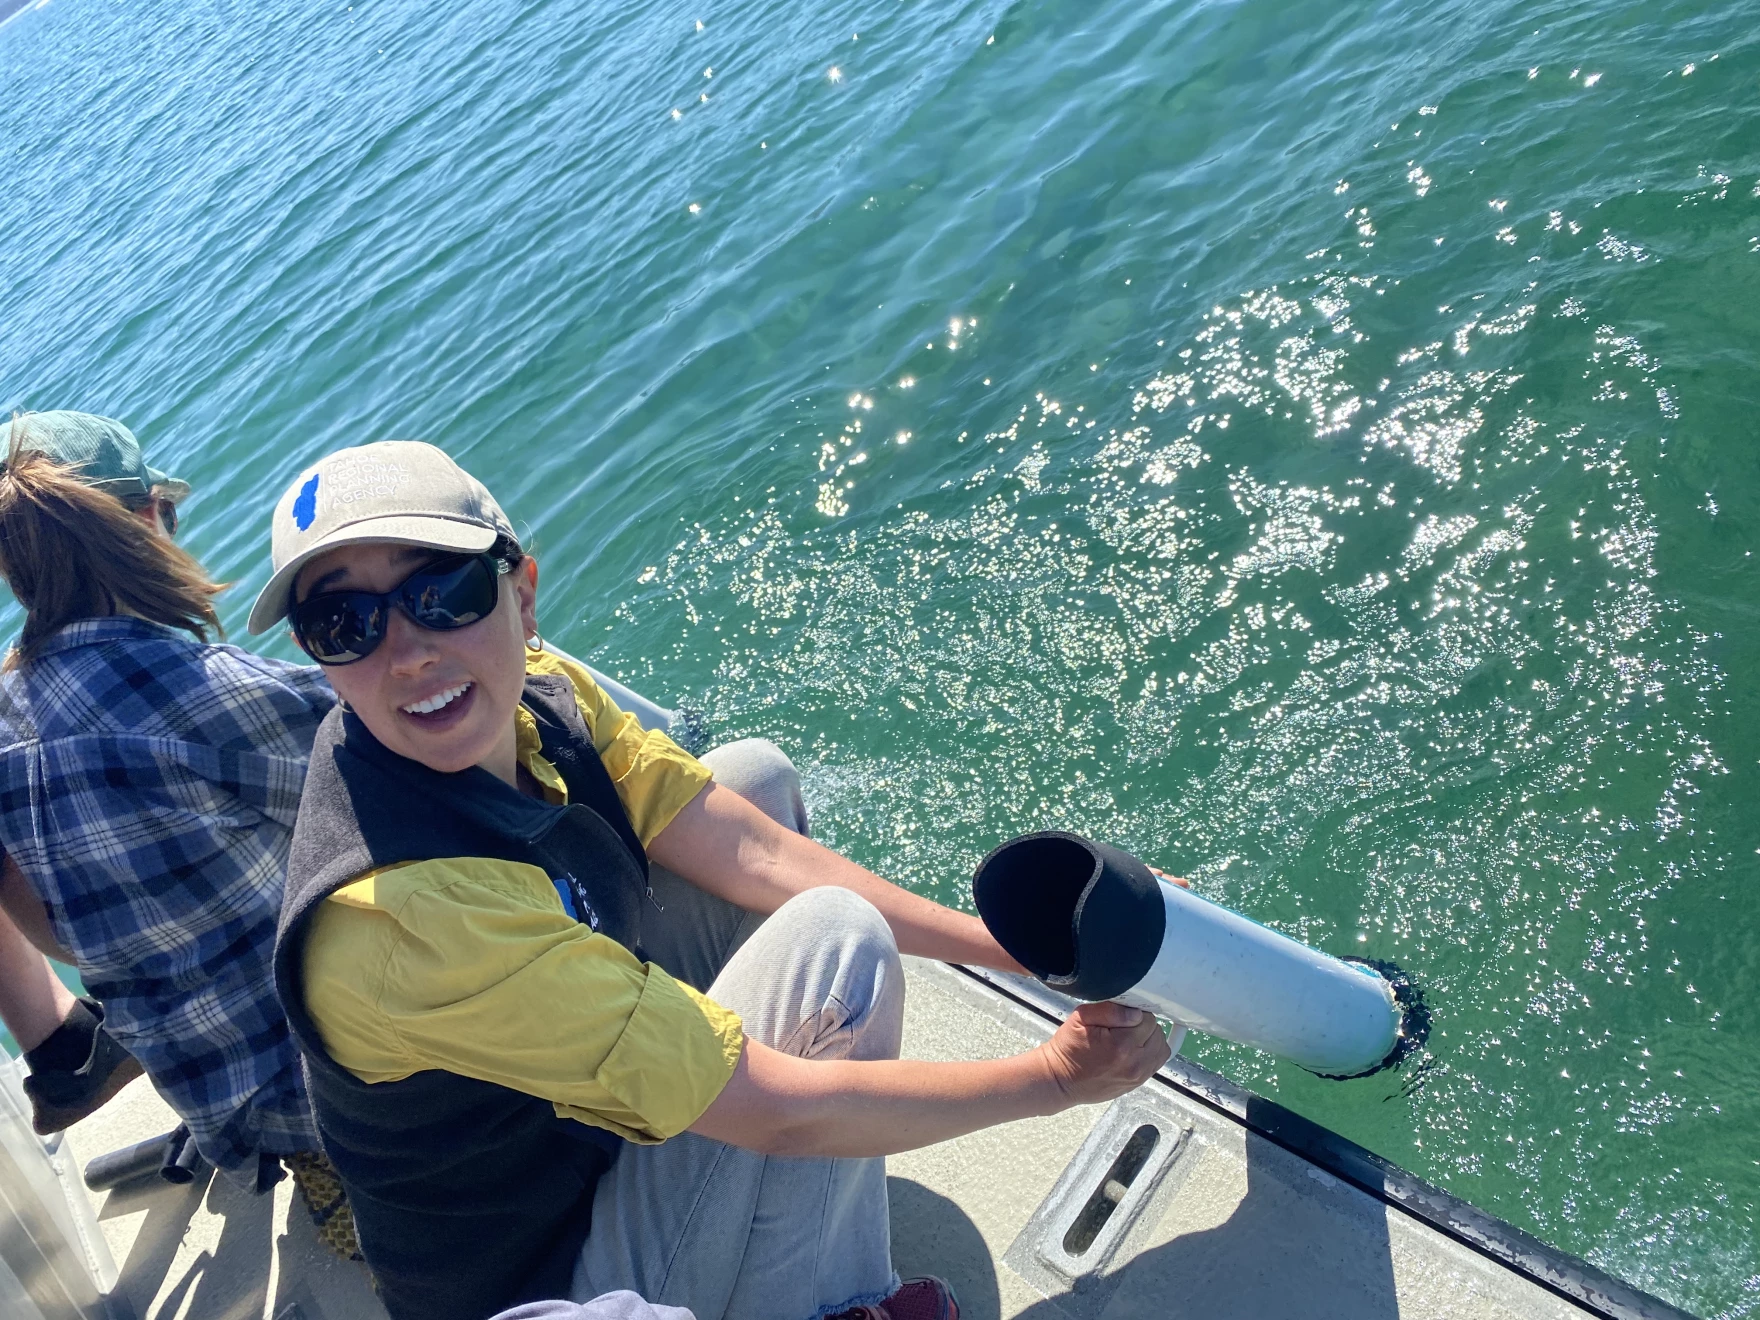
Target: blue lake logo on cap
point(305, 505)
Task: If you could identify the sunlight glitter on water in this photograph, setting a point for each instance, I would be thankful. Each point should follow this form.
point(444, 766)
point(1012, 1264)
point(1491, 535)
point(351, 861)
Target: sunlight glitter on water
point(1363, 710)
point(1301, 443)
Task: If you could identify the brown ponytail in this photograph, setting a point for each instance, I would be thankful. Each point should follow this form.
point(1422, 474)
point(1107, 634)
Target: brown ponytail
point(70, 551)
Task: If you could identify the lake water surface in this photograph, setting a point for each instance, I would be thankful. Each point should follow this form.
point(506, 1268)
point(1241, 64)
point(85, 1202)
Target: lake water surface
point(1310, 444)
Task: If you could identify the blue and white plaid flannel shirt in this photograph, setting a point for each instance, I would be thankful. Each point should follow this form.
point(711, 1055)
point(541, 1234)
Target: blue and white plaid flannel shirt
point(148, 788)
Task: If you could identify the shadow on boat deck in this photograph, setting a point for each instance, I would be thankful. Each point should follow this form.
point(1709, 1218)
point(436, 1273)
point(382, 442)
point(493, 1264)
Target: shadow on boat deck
point(212, 1250)
point(225, 1278)
point(935, 1235)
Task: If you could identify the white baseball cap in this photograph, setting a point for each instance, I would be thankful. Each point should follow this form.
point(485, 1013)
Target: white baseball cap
point(402, 491)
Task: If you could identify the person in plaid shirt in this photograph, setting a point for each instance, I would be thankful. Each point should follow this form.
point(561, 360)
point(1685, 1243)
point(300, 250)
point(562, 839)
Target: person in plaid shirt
point(149, 780)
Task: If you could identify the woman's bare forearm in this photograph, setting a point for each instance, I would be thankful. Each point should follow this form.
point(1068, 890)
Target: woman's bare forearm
point(781, 1105)
point(33, 1002)
point(921, 926)
point(726, 846)
point(21, 904)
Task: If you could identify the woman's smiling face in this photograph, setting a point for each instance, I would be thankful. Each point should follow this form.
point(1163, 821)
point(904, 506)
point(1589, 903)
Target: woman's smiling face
point(444, 698)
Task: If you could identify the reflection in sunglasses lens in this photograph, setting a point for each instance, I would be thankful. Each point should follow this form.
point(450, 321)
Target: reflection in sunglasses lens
point(342, 627)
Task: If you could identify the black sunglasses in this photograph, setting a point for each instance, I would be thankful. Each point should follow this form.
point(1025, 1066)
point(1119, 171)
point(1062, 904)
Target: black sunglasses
point(163, 509)
point(340, 627)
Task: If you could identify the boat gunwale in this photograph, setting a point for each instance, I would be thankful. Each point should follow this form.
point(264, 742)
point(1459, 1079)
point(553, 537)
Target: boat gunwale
point(1557, 1271)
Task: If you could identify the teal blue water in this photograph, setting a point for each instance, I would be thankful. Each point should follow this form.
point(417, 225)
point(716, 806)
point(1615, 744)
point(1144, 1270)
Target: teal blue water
point(1309, 444)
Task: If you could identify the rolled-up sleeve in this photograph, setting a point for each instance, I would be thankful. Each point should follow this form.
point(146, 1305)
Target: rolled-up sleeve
point(642, 1071)
point(481, 973)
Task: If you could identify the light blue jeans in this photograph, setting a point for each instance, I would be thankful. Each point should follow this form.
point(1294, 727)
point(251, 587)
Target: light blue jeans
point(726, 1232)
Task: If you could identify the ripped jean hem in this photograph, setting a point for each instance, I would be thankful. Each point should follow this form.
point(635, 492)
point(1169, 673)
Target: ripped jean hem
point(866, 1299)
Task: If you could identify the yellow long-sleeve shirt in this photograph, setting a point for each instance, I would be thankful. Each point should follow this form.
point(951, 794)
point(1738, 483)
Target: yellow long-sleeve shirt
point(471, 966)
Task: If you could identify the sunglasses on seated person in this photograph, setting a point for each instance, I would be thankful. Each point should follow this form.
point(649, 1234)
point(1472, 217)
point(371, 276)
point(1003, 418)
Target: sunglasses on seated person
point(163, 509)
point(452, 591)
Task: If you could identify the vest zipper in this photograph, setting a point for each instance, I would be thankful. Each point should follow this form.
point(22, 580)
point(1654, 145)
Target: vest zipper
point(653, 900)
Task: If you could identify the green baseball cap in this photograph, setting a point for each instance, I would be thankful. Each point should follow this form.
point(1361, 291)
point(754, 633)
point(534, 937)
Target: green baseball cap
point(402, 491)
point(102, 451)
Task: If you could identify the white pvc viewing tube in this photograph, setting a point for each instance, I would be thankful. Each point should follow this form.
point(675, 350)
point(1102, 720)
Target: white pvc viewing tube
point(1093, 922)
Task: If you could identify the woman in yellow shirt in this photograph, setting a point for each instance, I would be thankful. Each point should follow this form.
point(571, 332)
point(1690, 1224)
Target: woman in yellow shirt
point(564, 991)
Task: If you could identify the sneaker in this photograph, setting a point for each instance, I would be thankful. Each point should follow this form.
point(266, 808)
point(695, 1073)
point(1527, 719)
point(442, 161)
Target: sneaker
point(61, 1097)
point(927, 1298)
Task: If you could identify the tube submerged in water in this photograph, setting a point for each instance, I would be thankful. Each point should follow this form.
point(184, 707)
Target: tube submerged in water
point(1095, 923)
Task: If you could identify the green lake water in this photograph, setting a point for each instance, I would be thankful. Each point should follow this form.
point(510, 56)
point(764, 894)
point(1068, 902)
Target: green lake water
point(1312, 445)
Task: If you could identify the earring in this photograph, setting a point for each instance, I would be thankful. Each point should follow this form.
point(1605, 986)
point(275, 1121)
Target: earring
point(539, 648)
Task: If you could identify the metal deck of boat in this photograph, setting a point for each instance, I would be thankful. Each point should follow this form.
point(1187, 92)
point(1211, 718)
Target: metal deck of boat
point(1255, 1214)
point(1226, 1207)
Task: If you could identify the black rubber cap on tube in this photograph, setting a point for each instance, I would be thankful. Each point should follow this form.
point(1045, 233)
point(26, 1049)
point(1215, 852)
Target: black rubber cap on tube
point(1084, 918)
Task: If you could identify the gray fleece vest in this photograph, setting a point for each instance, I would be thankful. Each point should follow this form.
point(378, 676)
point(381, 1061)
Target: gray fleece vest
point(468, 1197)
